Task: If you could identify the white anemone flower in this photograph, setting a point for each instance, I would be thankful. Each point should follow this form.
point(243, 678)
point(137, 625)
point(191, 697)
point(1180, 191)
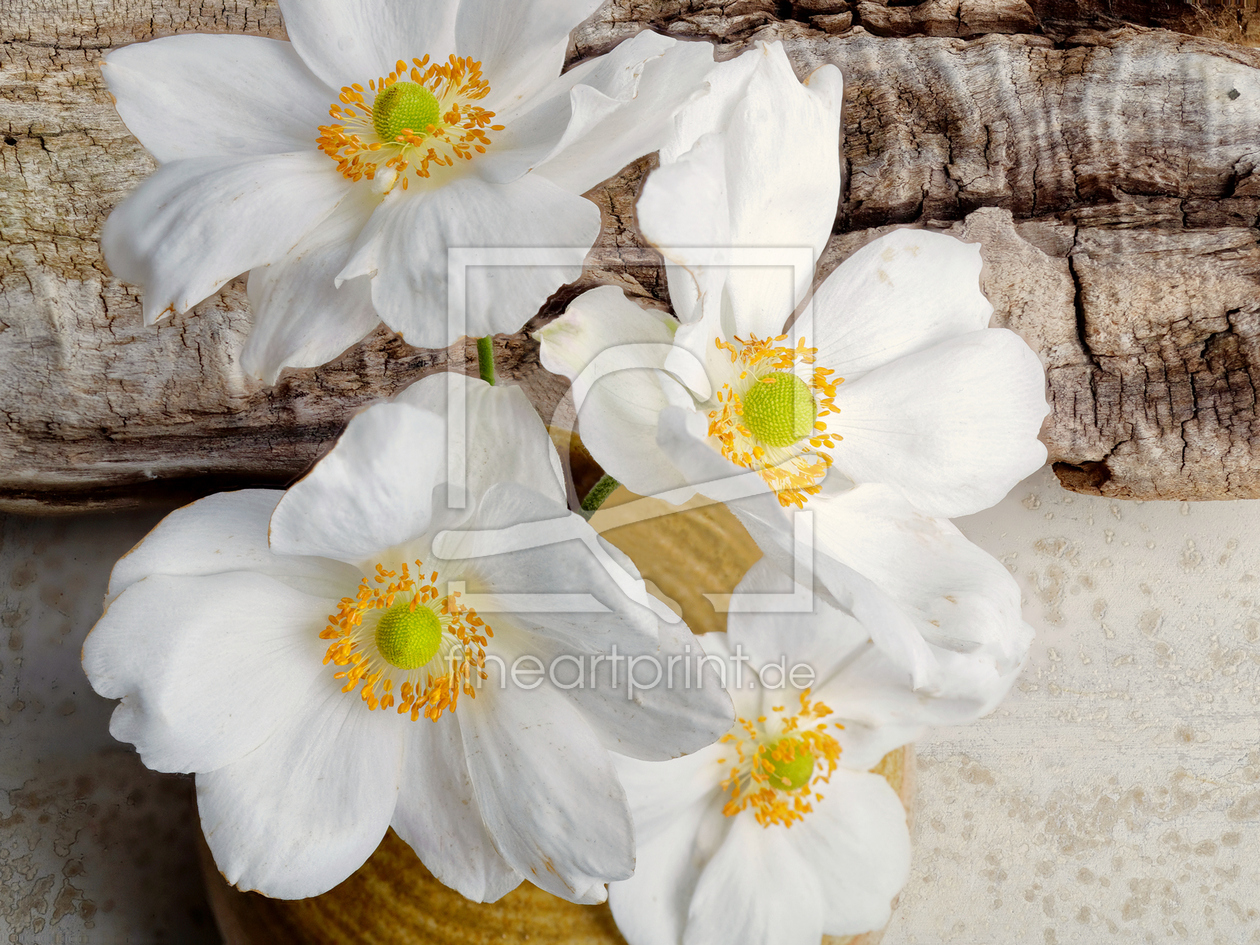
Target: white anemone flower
point(894, 377)
point(339, 167)
point(779, 834)
point(340, 676)
point(899, 408)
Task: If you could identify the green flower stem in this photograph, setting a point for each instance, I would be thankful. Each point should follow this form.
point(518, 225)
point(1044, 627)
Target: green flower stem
point(599, 493)
point(485, 358)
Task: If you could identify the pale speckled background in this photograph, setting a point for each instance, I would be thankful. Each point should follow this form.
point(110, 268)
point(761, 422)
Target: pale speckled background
point(1115, 797)
point(94, 848)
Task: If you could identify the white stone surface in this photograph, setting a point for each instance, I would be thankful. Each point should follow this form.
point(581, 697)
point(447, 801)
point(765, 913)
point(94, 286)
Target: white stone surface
point(1115, 797)
point(94, 848)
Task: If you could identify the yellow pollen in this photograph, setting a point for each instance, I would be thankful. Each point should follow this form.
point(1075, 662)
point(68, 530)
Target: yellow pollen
point(422, 118)
point(776, 770)
point(770, 419)
point(402, 642)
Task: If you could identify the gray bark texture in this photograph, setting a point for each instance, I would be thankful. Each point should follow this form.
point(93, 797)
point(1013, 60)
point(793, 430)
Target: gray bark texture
point(1105, 153)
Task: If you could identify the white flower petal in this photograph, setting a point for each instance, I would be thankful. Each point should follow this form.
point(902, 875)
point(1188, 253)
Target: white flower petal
point(503, 439)
point(527, 138)
point(711, 108)
point(198, 95)
point(372, 491)
point(756, 888)
point(663, 720)
point(832, 654)
point(612, 350)
point(651, 906)
point(207, 667)
point(868, 694)
point(682, 435)
point(438, 816)
point(301, 318)
point(306, 808)
point(519, 43)
point(695, 342)
point(961, 599)
point(855, 842)
point(828, 638)
point(520, 543)
point(743, 688)
point(767, 176)
point(839, 663)
point(221, 533)
point(954, 426)
point(199, 222)
point(684, 210)
point(375, 489)
point(543, 230)
point(661, 792)
point(880, 711)
point(599, 321)
point(587, 124)
point(616, 121)
point(899, 294)
point(844, 577)
point(827, 84)
point(783, 181)
point(548, 791)
point(349, 41)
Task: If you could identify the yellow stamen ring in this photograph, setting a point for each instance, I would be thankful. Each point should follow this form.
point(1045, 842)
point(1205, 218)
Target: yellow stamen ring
point(770, 419)
point(778, 765)
point(423, 124)
point(405, 643)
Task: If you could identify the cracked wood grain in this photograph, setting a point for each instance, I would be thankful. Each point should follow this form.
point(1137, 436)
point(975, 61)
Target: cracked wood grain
point(1111, 175)
point(1128, 164)
point(100, 411)
point(1235, 21)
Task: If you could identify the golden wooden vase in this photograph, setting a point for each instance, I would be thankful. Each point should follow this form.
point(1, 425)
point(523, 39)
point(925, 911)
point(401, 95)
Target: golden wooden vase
point(393, 900)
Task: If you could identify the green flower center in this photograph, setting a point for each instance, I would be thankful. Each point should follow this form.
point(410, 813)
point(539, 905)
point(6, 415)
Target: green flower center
point(404, 105)
point(408, 638)
point(790, 774)
point(779, 409)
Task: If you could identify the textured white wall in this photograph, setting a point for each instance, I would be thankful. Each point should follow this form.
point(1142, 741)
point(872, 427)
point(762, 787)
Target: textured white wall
point(1115, 796)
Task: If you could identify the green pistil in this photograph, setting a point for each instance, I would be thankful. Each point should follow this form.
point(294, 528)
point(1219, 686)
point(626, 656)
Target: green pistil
point(406, 638)
point(779, 409)
point(404, 105)
point(791, 774)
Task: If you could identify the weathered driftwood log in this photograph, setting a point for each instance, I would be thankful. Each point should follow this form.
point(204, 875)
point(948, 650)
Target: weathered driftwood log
point(1236, 21)
point(1113, 177)
point(1133, 263)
